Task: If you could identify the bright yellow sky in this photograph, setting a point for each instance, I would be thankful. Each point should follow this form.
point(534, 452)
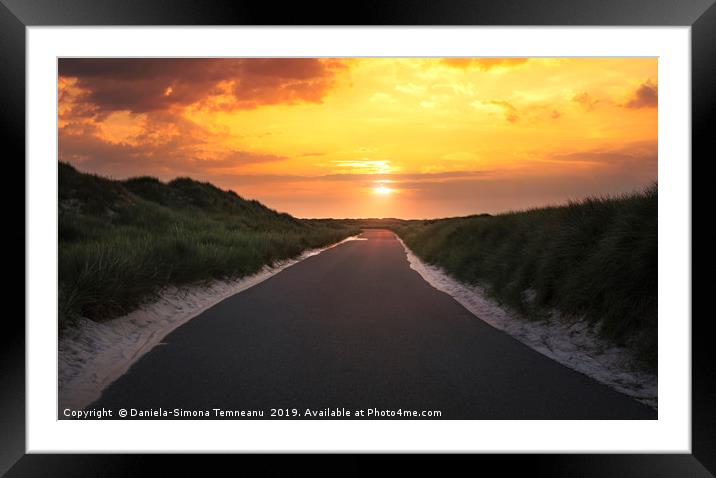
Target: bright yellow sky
point(382, 137)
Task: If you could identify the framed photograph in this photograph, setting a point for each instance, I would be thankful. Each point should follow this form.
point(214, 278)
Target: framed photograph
point(459, 228)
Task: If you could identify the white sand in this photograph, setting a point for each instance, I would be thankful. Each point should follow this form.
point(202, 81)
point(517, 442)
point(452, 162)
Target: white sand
point(94, 354)
point(572, 344)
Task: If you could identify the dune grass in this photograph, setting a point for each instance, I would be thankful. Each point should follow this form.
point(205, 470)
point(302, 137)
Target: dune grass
point(595, 258)
point(120, 242)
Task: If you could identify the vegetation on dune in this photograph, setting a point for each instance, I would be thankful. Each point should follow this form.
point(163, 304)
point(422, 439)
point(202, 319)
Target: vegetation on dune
point(595, 258)
point(122, 241)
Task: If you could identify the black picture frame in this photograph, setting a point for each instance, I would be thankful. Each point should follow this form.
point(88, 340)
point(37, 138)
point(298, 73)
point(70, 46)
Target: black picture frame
point(700, 15)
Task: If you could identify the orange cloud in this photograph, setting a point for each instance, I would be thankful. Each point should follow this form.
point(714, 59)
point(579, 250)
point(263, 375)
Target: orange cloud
point(167, 147)
point(119, 114)
point(484, 64)
point(585, 100)
point(508, 109)
point(304, 136)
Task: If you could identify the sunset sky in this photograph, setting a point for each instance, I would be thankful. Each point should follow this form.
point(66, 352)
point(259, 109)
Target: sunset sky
point(369, 137)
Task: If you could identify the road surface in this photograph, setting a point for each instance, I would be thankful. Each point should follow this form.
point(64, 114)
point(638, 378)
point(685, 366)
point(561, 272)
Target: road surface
point(356, 328)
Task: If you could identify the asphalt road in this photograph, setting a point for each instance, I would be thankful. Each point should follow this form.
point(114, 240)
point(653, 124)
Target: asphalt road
point(356, 328)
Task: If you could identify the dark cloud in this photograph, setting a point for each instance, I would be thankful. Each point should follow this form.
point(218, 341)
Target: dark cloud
point(237, 157)
point(140, 85)
point(165, 142)
point(646, 96)
point(627, 159)
point(89, 149)
point(500, 194)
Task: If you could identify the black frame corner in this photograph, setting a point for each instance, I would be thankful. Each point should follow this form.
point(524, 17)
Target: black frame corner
point(700, 15)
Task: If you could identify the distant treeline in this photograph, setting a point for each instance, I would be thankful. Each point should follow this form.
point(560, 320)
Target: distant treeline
point(595, 258)
point(120, 242)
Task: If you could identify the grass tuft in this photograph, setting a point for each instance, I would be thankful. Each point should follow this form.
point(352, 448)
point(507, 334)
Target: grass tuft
point(120, 242)
point(595, 258)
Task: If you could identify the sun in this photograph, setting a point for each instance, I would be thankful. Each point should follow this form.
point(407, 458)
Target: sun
point(382, 190)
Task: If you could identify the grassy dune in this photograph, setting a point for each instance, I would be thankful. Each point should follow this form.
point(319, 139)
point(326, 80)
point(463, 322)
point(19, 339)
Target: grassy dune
point(595, 258)
point(122, 241)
